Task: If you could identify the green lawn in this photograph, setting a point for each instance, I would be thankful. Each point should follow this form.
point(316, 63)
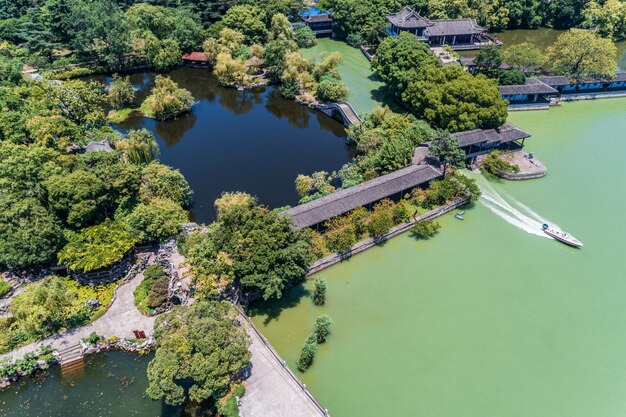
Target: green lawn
point(366, 91)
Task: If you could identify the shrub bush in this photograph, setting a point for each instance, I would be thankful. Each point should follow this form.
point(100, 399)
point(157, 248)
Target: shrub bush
point(152, 292)
point(425, 229)
point(322, 328)
point(319, 293)
point(5, 288)
point(308, 353)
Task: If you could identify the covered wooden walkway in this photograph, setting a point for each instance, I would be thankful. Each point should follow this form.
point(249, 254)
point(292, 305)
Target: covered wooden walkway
point(340, 202)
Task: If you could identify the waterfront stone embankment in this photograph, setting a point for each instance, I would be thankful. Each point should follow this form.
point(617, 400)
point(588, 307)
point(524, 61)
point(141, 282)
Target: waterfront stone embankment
point(272, 389)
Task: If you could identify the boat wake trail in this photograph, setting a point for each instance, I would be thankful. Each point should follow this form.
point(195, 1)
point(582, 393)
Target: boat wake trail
point(511, 210)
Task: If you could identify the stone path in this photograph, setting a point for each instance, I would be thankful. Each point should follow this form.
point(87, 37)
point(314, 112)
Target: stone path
point(270, 390)
point(120, 320)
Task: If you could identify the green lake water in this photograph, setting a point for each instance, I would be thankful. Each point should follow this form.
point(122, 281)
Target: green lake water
point(487, 319)
point(366, 91)
point(542, 38)
point(111, 384)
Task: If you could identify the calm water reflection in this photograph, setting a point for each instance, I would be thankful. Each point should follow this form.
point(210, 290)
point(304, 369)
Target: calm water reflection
point(253, 141)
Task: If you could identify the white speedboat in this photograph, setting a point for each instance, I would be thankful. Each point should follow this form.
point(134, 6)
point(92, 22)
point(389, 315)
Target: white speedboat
point(562, 236)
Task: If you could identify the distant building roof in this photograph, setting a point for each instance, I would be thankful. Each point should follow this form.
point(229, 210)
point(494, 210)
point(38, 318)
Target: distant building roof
point(454, 27)
point(194, 56)
point(343, 201)
point(98, 147)
point(470, 62)
point(408, 18)
point(506, 133)
point(561, 80)
point(532, 86)
point(317, 18)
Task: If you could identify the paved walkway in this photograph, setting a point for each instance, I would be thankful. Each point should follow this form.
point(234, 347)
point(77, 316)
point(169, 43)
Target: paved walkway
point(270, 390)
point(120, 319)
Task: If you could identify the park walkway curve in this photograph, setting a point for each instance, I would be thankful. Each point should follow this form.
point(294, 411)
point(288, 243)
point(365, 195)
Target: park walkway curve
point(120, 320)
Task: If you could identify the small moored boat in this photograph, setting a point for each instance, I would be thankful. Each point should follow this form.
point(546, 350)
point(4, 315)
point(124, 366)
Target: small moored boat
point(459, 215)
point(561, 236)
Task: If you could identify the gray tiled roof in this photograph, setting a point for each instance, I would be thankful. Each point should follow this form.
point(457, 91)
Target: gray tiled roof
point(343, 201)
point(318, 18)
point(454, 27)
point(506, 133)
point(532, 86)
point(560, 80)
point(98, 147)
point(407, 18)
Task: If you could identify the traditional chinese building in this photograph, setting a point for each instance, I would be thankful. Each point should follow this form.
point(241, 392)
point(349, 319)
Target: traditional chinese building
point(320, 22)
point(458, 33)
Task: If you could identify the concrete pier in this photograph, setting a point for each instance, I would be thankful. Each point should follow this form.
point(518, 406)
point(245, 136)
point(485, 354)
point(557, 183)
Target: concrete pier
point(272, 390)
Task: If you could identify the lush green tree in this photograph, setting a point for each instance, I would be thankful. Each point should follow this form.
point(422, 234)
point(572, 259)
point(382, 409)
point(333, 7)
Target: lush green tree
point(139, 147)
point(453, 99)
point(79, 101)
point(41, 306)
point(98, 28)
point(158, 219)
point(29, 234)
point(77, 197)
point(340, 235)
point(496, 164)
point(308, 353)
point(400, 60)
point(23, 169)
point(488, 60)
point(162, 182)
point(10, 72)
point(524, 56)
point(319, 292)
point(609, 17)
point(446, 150)
point(425, 229)
point(97, 246)
point(322, 328)
point(274, 56)
point(364, 18)
point(230, 71)
point(248, 20)
point(449, 9)
point(511, 77)
point(121, 93)
point(381, 220)
point(162, 55)
point(386, 141)
point(582, 55)
point(201, 351)
point(331, 90)
point(280, 28)
point(304, 37)
point(167, 100)
point(267, 254)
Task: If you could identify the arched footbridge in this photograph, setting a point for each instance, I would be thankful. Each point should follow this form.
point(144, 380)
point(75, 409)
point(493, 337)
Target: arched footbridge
point(344, 109)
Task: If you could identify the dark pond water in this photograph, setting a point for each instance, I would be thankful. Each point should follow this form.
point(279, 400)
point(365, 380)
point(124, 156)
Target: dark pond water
point(111, 384)
point(255, 142)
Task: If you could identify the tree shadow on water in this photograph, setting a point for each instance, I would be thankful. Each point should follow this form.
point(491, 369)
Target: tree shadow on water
point(272, 309)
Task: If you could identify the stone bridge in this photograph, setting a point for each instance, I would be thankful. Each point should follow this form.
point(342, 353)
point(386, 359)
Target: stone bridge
point(343, 109)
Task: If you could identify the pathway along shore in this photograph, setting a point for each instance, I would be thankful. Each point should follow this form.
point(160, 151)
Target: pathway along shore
point(272, 390)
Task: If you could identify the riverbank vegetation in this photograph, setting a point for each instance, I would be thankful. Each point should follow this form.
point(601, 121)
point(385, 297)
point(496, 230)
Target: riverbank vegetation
point(45, 307)
point(248, 246)
point(343, 232)
point(496, 163)
point(60, 203)
point(202, 350)
point(445, 96)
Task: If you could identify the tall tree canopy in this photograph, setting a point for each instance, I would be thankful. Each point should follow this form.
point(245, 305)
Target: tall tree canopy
point(201, 350)
point(399, 60)
point(583, 55)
